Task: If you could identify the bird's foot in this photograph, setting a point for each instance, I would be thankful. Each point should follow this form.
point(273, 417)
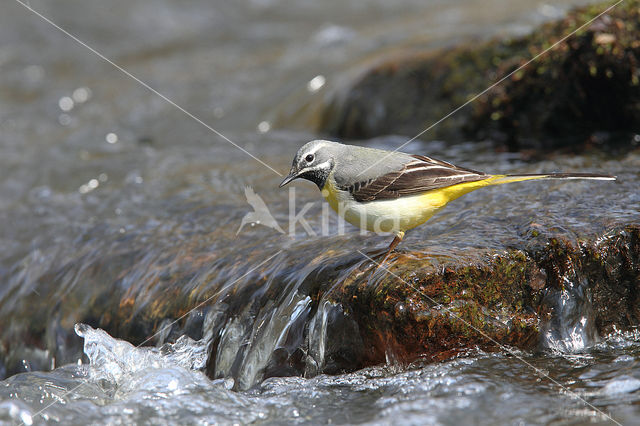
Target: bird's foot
point(385, 253)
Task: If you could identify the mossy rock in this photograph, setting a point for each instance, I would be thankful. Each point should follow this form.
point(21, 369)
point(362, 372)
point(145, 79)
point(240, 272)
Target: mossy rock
point(417, 312)
point(338, 315)
point(583, 92)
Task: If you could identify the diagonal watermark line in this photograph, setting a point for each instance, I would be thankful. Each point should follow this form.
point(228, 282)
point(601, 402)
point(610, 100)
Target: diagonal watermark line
point(208, 299)
point(476, 96)
point(142, 83)
point(538, 371)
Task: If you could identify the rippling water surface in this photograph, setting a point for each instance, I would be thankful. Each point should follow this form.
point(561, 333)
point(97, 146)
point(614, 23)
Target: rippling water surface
point(108, 192)
point(127, 385)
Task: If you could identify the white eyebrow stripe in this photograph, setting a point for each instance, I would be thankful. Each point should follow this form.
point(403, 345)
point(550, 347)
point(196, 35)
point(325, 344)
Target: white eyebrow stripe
point(315, 148)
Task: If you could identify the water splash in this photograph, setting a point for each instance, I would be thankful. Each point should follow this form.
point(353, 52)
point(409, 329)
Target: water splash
point(116, 360)
point(572, 325)
point(154, 388)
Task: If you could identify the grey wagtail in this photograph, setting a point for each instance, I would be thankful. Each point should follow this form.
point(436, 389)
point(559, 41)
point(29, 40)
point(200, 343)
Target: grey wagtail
point(392, 192)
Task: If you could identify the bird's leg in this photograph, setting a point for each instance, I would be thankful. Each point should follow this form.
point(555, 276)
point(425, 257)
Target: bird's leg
point(394, 243)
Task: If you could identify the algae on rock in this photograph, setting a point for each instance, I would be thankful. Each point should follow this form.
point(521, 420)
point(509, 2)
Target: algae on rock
point(584, 91)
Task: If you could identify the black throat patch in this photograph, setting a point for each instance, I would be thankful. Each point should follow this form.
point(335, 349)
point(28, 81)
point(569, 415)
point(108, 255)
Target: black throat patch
point(318, 176)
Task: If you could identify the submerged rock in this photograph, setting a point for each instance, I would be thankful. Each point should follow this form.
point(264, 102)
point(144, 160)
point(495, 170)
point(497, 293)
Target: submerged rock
point(584, 91)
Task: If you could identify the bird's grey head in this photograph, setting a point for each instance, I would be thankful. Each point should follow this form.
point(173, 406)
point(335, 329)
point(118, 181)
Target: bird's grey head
point(314, 162)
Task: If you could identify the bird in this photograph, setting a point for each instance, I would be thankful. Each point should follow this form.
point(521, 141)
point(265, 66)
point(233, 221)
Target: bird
point(390, 191)
point(260, 213)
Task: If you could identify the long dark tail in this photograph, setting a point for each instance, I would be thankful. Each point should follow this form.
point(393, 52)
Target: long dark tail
point(500, 179)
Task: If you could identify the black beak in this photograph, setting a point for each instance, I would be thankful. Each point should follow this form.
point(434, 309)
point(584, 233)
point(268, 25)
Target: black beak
point(293, 174)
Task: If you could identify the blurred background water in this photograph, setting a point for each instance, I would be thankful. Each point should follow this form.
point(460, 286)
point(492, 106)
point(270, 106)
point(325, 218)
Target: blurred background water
point(97, 170)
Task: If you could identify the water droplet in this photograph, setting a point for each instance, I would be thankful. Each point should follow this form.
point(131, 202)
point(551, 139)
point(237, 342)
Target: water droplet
point(316, 83)
point(89, 186)
point(81, 94)
point(111, 138)
point(264, 127)
point(103, 177)
point(65, 103)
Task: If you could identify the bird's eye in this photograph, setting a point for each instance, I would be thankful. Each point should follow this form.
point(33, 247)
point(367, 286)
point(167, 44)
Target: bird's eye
point(309, 158)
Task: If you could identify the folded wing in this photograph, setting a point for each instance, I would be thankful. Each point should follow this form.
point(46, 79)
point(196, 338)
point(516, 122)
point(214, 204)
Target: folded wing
point(417, 176)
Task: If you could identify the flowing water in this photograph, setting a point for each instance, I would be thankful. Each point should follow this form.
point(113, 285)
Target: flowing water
point(119, 209)
point(125, 385)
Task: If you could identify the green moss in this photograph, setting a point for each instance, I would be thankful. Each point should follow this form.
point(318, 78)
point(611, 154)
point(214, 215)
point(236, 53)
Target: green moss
point(554, 102)
point(450, 310)
point(558, 97)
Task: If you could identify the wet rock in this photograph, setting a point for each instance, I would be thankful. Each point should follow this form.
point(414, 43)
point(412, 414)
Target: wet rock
point(560, 295)
point(338, 313)
point(415, 312)
point(588, 290)
point(583, 92)
point(562, 292)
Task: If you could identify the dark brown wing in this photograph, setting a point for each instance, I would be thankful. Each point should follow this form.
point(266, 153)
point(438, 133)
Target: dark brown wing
point(415, 177)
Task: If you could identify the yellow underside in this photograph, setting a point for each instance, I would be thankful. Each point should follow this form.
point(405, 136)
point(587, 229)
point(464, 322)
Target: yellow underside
point(404, 213)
